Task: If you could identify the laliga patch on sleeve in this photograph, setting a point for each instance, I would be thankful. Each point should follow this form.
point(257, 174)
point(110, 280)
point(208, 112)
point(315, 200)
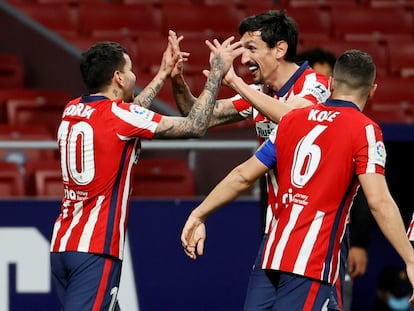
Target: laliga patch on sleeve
point(319, 91)
point(380, 153)
point(141, 111)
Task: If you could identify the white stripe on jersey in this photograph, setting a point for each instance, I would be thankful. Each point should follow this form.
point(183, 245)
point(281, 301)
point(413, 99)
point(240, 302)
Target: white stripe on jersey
point(281, 245)
point(308, 244)
point(87, 231)
point(77, 213)
point(271, 240)
point(370, 134)
point(133, 118)
point(56, 228)
point(269, 213)
point(124, 204)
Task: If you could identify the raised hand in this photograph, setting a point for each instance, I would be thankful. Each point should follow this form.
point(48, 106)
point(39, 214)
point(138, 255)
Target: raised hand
point(222, 55)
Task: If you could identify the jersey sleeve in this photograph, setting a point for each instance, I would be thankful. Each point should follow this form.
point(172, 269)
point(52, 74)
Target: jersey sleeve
point(315, 88)
point(371, 156)
point(267, 151)
point(134, 121)
point(242, 105)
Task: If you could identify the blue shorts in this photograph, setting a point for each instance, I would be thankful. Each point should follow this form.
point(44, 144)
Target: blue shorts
point(274, 290)
point(86, 281)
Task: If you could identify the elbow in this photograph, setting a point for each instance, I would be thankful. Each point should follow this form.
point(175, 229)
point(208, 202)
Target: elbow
point(243, 182)
point(198, 134)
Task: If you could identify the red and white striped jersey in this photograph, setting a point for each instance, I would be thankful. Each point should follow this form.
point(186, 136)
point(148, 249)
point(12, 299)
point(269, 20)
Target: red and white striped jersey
point(319, 151)
point(99, 142)
point(305, 83)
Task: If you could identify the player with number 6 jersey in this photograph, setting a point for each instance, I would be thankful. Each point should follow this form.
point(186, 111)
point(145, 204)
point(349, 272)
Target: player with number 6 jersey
point(320, 155)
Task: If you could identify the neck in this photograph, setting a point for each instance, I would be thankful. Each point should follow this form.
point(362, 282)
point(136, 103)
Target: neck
point(357, 101)
point(282, 74)
point(111, 93)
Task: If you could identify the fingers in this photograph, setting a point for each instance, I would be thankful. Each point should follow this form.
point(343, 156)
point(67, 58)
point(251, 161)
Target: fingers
point(411, 301)
point(200, 247)
point(190, 251)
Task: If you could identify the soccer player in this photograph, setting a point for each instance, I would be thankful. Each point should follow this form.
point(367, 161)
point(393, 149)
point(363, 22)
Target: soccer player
point(99, 142)
point(321, 155)
point(270, 41)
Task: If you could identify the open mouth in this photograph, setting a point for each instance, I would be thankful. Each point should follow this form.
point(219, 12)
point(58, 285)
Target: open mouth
point(253, 69)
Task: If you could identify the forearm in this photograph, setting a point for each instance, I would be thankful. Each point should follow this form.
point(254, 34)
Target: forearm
point(182, 95)
point(268, 106)
point(196, 123)
point(148, 94)
point(390, 222)
point(230, 188)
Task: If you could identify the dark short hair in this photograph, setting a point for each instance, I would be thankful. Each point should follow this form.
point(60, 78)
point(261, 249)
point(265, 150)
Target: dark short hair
point(274, 26)
point(317, 55)
point(355, 69)
point(99, 63)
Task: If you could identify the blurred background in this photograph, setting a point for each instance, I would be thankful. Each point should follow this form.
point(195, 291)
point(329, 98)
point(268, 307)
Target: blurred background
point(39, 72)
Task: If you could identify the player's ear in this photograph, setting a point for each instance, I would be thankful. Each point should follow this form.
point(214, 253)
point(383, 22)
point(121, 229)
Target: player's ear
point(372, 90)
point(331, 83)
point(118, 76)
point(281, 49)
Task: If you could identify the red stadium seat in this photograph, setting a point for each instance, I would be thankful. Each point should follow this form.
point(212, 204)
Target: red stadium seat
point(390, 115)
point(393, 100)
point(163, 178)
point(300, 4)
point(34, 112)
point(44, 178)
point(409, 4)
point(30, 133)
point(401, 62)
point(313, 22)
point(59, 17)
point(60, 97)
point(150, 48)
point(394, 90)
point(372, 23)
point(11, 180)
point(114, 19)
point(201, 21)
point(11, 71)
point(83, 43)
point(253, 7)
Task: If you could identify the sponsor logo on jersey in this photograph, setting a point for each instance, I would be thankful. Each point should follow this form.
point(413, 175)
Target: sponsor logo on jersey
point(264, 129)
point(297, 198)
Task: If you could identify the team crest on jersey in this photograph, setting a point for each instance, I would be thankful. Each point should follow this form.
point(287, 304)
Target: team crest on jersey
point(380, 153)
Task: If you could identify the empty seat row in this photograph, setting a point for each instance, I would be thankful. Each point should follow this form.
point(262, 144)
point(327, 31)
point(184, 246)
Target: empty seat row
point(247, 3)
point(39, 116)
point(33, 107)
point(88, 18)
point(152, 178)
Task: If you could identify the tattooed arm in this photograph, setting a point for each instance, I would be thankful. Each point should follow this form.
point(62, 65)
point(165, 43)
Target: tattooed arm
point(224, 111)
point(195, 124)
point(169, 59)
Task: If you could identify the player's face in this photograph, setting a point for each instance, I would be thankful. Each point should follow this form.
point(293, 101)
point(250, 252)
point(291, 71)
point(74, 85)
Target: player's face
point(258, 57)
point(129, 80)
point(323, 68)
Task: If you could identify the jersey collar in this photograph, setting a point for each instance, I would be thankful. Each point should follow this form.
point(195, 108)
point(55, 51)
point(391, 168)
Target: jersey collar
point(340, 103)
point(288, 85)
